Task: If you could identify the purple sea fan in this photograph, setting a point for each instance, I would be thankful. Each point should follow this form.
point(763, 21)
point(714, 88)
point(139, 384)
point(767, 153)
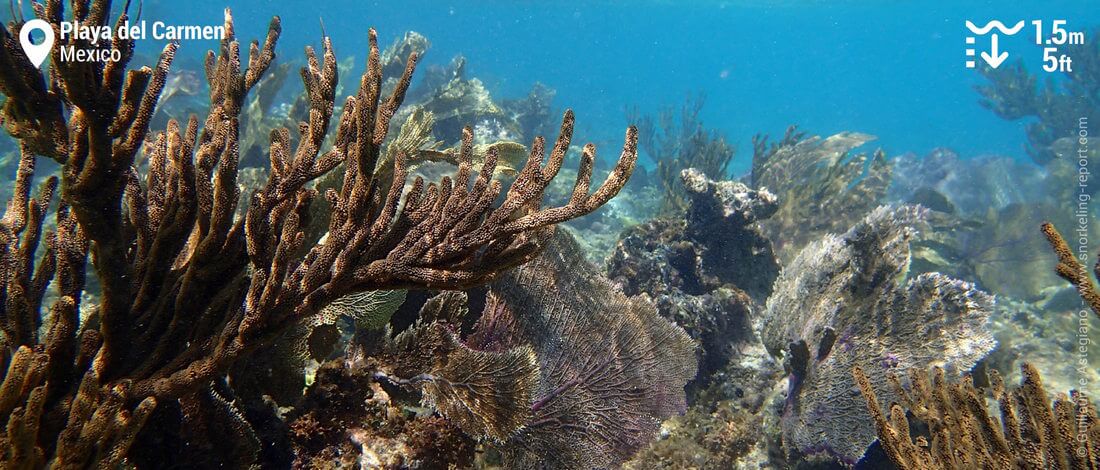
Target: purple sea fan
point(854, 283)
point(611, 369)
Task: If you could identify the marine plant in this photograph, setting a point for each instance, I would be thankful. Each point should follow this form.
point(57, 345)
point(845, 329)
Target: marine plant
point(822, 187)
point(186, 289)
point(936, 423)
point(677, 146)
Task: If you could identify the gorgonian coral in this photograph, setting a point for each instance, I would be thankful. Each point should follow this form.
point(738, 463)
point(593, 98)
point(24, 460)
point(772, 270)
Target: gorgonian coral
point(841, 304)
point(188, 289)
point(822, 187)
point(938, 424)
point(562, 371)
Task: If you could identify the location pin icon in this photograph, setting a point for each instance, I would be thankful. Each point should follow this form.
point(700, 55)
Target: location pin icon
point(37, 53)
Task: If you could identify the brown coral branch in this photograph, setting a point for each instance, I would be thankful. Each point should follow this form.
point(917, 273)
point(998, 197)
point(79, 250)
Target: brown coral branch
point(188, 287)
point(1070, 269)
point(1032, 432)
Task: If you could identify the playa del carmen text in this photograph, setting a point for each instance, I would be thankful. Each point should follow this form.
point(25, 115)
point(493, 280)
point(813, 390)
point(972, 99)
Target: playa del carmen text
point(93, 43)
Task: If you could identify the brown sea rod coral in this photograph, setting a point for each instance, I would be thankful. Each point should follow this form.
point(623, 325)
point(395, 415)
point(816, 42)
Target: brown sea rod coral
point(1070, 269)
point(937, 424)
point(188, 290)
point(843, 303)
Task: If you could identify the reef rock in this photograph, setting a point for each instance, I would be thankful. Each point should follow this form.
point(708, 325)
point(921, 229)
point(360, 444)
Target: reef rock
point(841, 304)
point(717, 245)
point(348, 420)
point(708, 272)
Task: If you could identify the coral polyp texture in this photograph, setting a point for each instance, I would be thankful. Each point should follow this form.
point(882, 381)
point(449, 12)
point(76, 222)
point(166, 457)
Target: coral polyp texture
point(187, 289)
point(842, 303)
point(936, 423)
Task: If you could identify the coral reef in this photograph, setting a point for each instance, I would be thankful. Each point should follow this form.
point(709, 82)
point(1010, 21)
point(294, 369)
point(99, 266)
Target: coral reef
point(611, 368)
point(560, 371)
point(187, 289)
point(1047, 336)
point(676, 146)
point(701, 440)
point(842, 304)
point(822, 188)
point(731, 424)
point(985, 213)
point(972, 185)
point(955, 429)
point(706, 272)
point(348, 420)
point(486, 393)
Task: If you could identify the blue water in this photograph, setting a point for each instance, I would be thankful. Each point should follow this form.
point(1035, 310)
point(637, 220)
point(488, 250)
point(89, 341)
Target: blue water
point(892, 69)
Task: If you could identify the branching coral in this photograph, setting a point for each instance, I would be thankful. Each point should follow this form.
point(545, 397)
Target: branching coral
point(842, 303)
point(954, 428)
point(188, 289)
point(1070, 269)
point(678, 146)
point(1057, 108)
point(822, 188)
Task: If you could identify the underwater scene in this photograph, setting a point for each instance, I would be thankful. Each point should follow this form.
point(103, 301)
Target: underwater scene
point(740, 234)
